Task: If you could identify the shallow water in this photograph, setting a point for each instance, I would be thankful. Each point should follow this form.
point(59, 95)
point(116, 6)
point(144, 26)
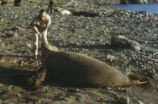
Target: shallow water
point(151, 8)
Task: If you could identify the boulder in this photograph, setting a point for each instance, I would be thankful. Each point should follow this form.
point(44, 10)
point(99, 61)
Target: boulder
point(123, 42)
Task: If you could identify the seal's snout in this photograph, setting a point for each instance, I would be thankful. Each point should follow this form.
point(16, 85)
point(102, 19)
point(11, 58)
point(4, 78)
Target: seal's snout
point(31, 81)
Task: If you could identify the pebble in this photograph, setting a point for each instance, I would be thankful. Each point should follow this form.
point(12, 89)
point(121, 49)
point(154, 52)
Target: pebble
point(15, 34)
point(29, 45)
point(1, 20)
point(140, 102)
point(111, 57)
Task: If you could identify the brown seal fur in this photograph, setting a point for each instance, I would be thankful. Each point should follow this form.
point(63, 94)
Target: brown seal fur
point(80, 70)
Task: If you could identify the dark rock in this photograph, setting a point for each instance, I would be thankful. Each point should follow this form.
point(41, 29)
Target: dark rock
point(83, 13)
point(124, 100)
point(17, 2)
point(11, 33)
point(120, 41)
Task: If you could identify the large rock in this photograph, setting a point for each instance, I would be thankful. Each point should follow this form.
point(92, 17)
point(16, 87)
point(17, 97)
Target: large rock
point(123, 42)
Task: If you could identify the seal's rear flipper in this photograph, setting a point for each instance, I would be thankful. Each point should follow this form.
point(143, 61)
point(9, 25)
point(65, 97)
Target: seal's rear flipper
point(136, 82)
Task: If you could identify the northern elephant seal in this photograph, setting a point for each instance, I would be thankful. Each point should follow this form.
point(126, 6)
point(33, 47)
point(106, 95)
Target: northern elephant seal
point(80, 70)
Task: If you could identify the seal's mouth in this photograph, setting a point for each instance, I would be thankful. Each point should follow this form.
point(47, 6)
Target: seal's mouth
point(25, 81)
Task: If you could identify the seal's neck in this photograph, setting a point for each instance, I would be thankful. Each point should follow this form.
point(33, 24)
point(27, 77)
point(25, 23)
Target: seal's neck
point(46, 47)
point(46, 50)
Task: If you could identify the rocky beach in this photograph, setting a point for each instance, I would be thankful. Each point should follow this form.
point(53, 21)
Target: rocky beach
point(87, 34)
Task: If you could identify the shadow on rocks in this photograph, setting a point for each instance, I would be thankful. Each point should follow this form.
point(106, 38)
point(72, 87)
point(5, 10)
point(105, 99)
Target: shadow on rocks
point(97, 46)
point(84, 13)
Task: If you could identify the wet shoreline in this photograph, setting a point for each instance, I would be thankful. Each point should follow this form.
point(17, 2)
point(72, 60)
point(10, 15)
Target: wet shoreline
point(151, 8)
